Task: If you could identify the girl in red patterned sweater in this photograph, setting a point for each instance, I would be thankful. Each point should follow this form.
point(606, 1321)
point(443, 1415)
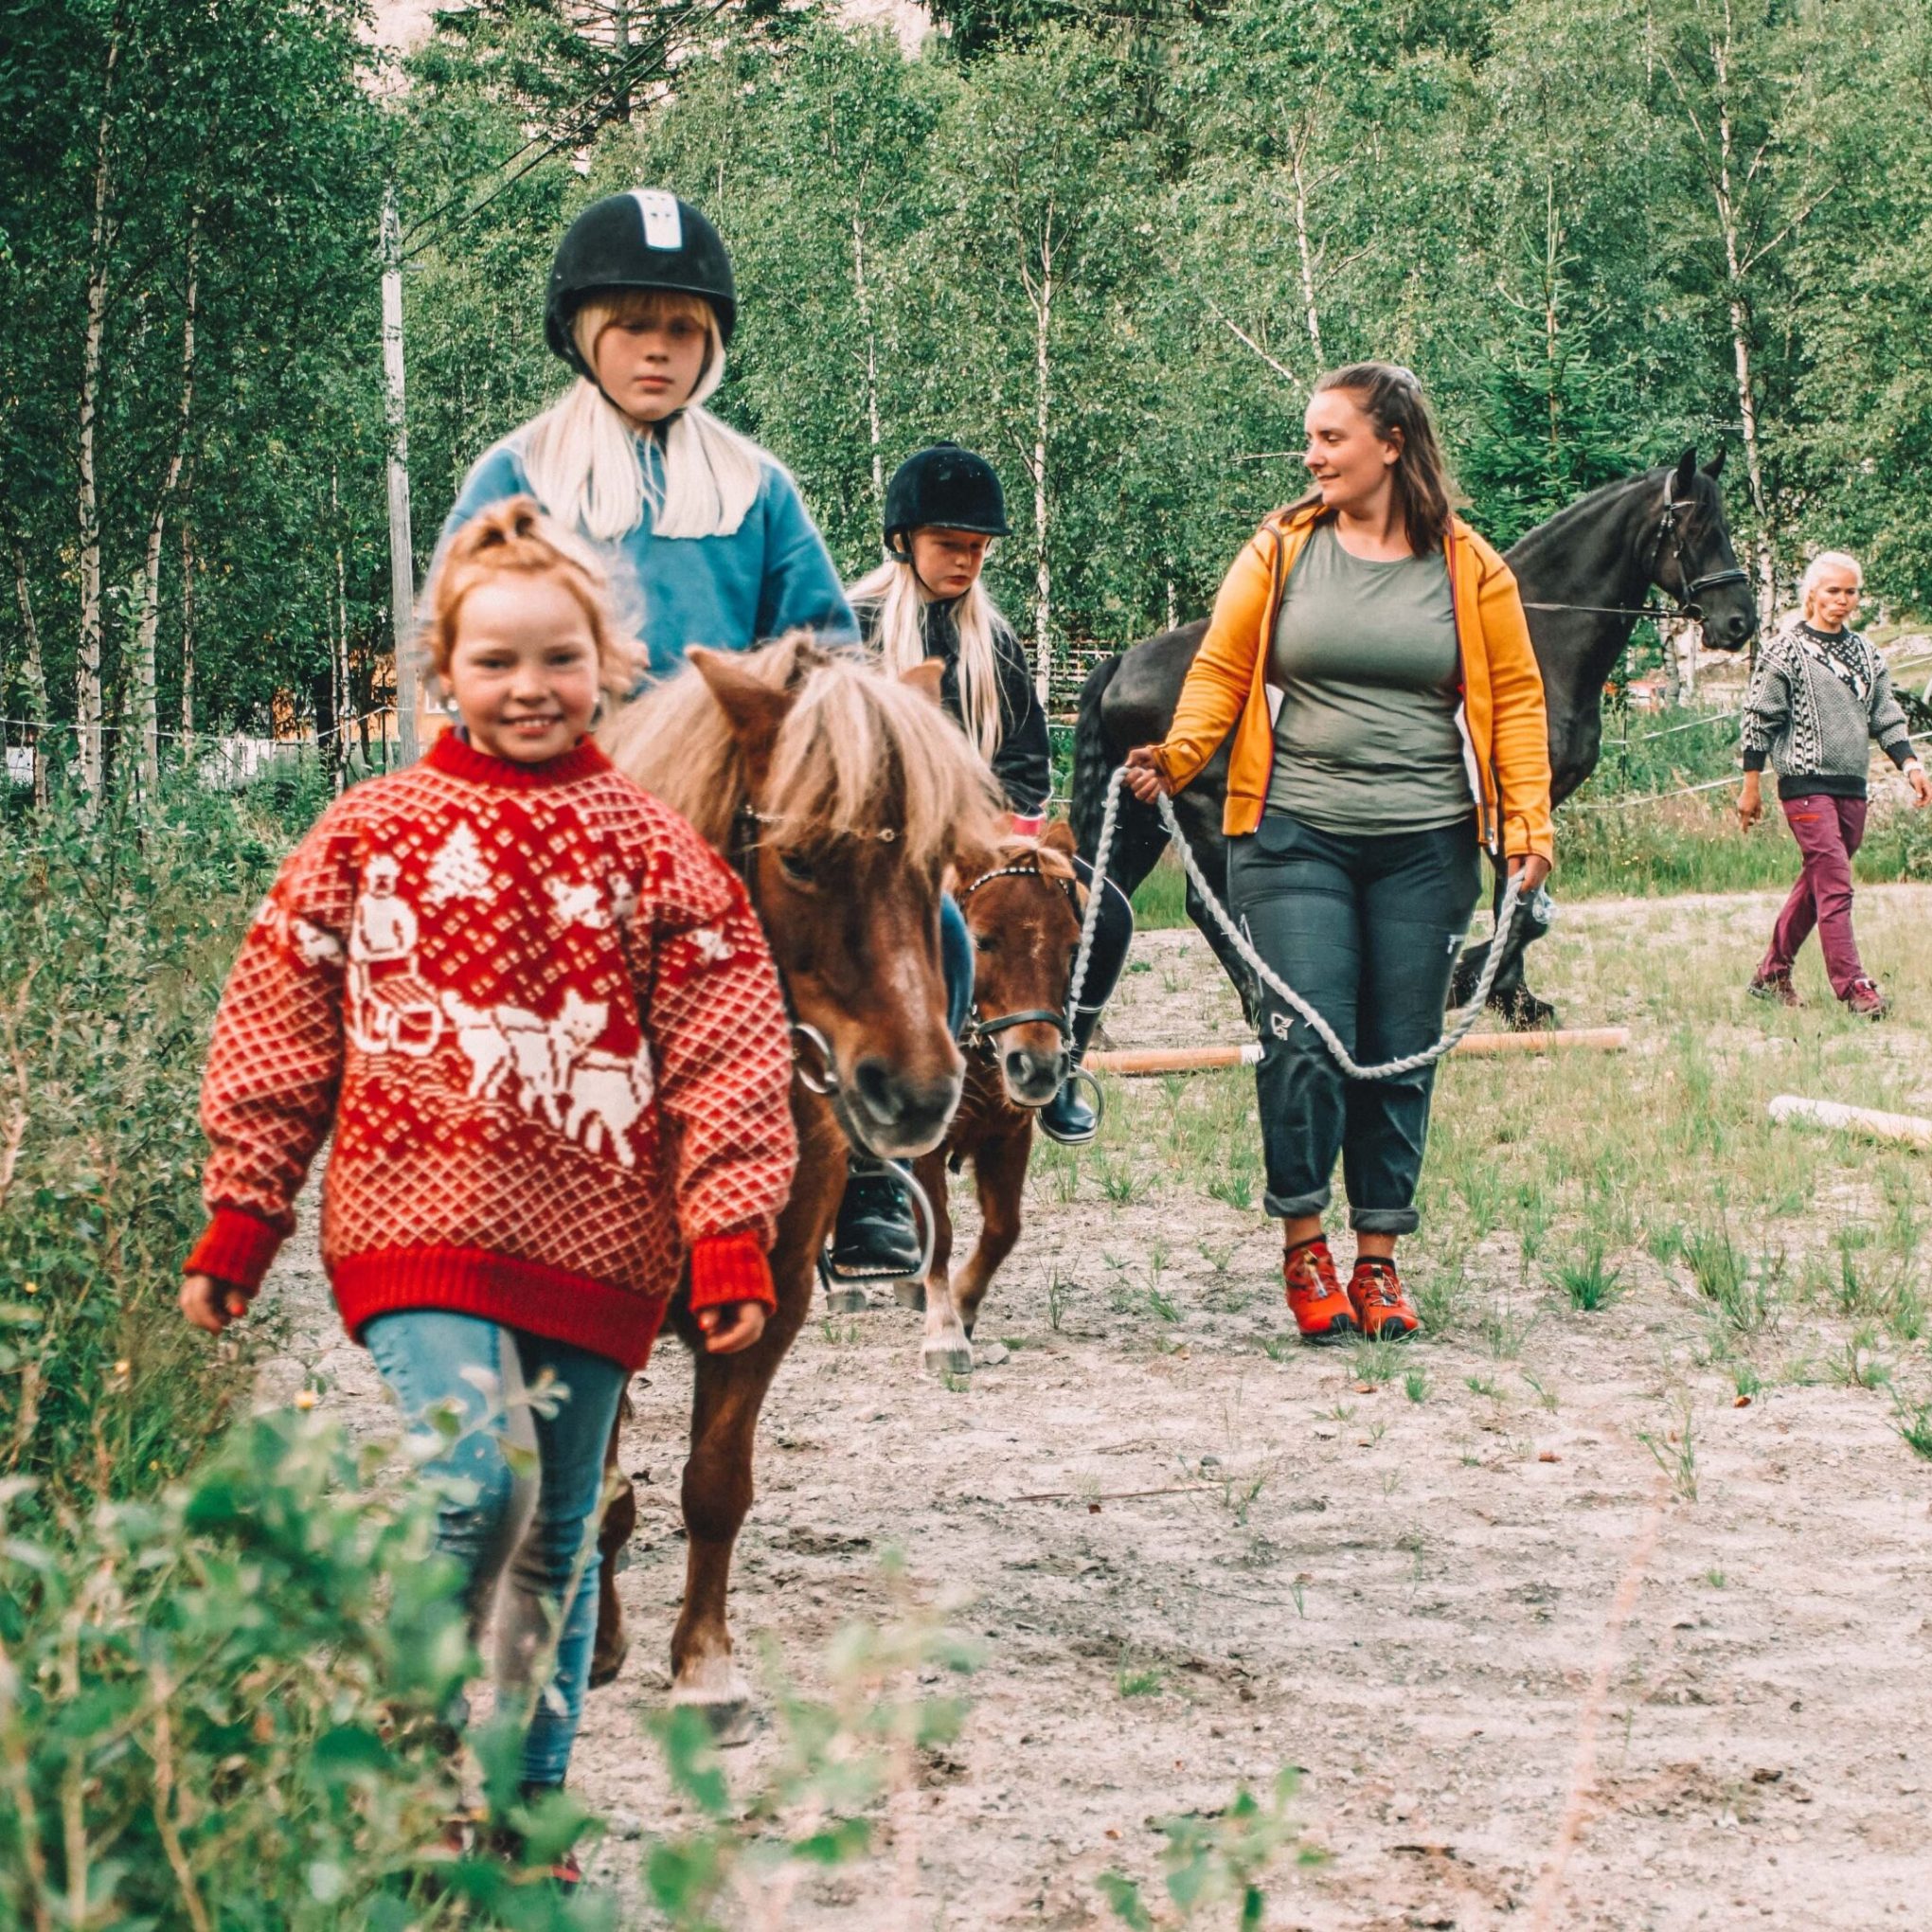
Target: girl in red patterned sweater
point(540, 1017)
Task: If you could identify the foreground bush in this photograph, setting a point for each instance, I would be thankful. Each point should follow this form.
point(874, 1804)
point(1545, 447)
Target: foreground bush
point(219, 1711)
point(118, 936)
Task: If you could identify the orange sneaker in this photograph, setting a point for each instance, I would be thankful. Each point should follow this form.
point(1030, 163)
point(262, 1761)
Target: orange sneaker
point(1384, 1310)
point(1315, 1296)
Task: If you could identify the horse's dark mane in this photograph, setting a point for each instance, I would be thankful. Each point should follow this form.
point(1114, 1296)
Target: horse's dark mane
point(1561, 528)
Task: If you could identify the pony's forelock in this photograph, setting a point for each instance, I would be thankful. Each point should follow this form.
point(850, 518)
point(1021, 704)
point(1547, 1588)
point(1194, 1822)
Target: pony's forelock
point(858, 754)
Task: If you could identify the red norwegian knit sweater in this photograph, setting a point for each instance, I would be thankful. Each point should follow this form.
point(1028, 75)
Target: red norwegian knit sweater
point(540, 1017)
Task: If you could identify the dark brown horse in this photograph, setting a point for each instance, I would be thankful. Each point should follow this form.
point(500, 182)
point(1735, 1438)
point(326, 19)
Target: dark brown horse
point(1022, 905)
point(1586, 578)
point(842, 797)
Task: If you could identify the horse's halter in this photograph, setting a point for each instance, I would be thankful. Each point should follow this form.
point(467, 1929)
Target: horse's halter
point(981, 1035)
point(822, 1080)
point(1694, 587)
point(1688, 606)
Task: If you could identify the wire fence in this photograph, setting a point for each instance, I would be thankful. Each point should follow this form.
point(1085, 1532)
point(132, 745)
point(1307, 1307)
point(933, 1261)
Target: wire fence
point(227, 762)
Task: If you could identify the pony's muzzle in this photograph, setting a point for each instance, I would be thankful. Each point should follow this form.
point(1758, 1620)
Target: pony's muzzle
point(899, 1116)
point(1032, 1078)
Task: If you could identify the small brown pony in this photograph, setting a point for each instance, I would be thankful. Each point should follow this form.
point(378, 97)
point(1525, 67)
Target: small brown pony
point(842, 797)
point(1022, 905)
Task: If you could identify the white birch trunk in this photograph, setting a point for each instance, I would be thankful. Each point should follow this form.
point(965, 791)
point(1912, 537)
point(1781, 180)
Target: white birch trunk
point(35, 668)
point(862, 294)
point(88, 657)
point(187, 632)
point(1041, 291)
point(1763, 544)
point(1043, 575)
point(339, 695)
point(147, 695)
point(402, 560)
point(1307, 252)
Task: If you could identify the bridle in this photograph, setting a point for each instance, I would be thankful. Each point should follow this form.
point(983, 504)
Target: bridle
point(819, 1074)
point(981, 1036)
point(1695, 587)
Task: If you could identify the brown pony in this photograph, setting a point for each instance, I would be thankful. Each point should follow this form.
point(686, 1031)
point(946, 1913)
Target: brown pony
point(1022, 905)
point(843, 799)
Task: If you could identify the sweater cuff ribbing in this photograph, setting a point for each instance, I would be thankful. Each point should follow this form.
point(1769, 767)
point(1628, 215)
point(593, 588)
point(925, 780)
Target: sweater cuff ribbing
point(1754, 759)
point(236, 1248)
point(730, 1267)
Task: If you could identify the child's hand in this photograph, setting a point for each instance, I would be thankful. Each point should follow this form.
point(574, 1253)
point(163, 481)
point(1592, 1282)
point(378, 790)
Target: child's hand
point(212, 1305)
point(731, 1326)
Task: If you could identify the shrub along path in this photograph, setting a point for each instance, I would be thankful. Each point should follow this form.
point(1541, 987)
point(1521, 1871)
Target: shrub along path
point(1392, 1570)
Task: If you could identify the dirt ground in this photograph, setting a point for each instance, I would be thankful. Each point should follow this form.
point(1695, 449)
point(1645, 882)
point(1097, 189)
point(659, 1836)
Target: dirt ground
point(1484, 1623)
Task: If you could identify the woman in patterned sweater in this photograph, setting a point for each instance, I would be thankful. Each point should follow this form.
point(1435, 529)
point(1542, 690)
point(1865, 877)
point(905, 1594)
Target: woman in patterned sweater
point(1818, 697)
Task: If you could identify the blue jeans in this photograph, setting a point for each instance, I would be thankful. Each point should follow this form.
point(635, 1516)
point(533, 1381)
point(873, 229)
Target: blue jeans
point(540, 1529)
point(955, 956)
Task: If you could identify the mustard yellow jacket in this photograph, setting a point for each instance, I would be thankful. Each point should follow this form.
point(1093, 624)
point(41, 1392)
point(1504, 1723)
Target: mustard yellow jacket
point(1505, 732)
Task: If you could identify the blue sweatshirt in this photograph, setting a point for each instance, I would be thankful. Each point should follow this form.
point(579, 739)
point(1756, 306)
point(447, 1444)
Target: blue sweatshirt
point(771, 574)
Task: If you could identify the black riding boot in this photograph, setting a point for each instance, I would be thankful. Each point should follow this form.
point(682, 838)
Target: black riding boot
point(876, 1236)
point(1066, 1117)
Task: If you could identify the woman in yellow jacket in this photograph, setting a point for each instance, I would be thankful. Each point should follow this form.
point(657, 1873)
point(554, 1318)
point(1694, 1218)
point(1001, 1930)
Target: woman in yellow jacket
point(1369, 653)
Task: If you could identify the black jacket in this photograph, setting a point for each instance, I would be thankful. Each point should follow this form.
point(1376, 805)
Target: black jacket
point(1023, 761)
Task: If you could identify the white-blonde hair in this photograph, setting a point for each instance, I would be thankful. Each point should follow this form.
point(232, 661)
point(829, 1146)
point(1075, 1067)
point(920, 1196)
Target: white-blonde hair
point(581, 454)
point(901, 641)
point(1815, 570)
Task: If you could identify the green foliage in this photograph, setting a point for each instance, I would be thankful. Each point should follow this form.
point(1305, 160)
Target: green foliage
point(119, 937)
point(836, 1758)
point(1215, 1864)
point(223, 1707)
point(1584, 1279)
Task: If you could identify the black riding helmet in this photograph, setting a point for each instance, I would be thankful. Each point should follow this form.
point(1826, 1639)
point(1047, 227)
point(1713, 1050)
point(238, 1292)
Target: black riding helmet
point(945, 488)
point(645, 239)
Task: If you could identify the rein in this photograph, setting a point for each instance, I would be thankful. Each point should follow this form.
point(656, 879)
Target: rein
point(1390, 1069)
point(1693, 587)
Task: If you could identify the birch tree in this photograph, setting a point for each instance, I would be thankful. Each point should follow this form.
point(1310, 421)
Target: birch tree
point(1727, 86)
point(1044, 178)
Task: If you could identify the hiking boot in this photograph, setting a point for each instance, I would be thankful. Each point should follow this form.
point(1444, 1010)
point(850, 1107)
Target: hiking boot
point(1865, 1001)
point(1384, 1311)
point(1776, 987)
point(1315, 1299)
point(876, 1236)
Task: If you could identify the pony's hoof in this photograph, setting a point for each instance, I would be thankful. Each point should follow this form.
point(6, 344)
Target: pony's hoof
point(606, 1661)
point(947, 1358)
point(909, 1293)
point(726, 1706)
point(845, 1297)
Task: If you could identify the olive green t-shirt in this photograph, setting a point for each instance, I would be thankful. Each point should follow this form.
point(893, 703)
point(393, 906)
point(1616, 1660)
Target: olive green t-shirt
point(1366, 659)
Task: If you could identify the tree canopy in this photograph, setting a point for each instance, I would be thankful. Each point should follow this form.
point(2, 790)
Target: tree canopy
point(1110, 247)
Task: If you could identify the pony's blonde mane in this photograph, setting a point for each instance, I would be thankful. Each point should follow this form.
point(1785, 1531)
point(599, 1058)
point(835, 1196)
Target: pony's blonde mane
point(858, 754)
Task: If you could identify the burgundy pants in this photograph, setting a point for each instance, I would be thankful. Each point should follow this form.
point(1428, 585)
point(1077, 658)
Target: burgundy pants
point(1828, 831)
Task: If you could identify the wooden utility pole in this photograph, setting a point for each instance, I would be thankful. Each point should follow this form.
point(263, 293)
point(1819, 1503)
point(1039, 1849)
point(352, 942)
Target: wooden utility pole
point(401, 559)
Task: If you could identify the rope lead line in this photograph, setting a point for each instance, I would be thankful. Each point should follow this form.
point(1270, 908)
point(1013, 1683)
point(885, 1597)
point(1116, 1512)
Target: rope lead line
point(1390, 1069)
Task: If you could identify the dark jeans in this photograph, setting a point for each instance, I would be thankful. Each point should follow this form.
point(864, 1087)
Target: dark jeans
point(1367, 931)
point(1828, 831)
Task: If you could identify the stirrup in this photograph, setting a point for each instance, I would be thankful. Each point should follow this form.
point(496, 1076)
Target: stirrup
point(1099, 1109)
point(832, 1276)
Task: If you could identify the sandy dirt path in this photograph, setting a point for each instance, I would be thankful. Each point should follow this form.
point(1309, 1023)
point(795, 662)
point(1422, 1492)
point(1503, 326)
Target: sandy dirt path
point(1406, 1598)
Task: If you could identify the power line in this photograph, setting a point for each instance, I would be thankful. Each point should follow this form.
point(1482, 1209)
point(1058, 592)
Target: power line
point(592, 117)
